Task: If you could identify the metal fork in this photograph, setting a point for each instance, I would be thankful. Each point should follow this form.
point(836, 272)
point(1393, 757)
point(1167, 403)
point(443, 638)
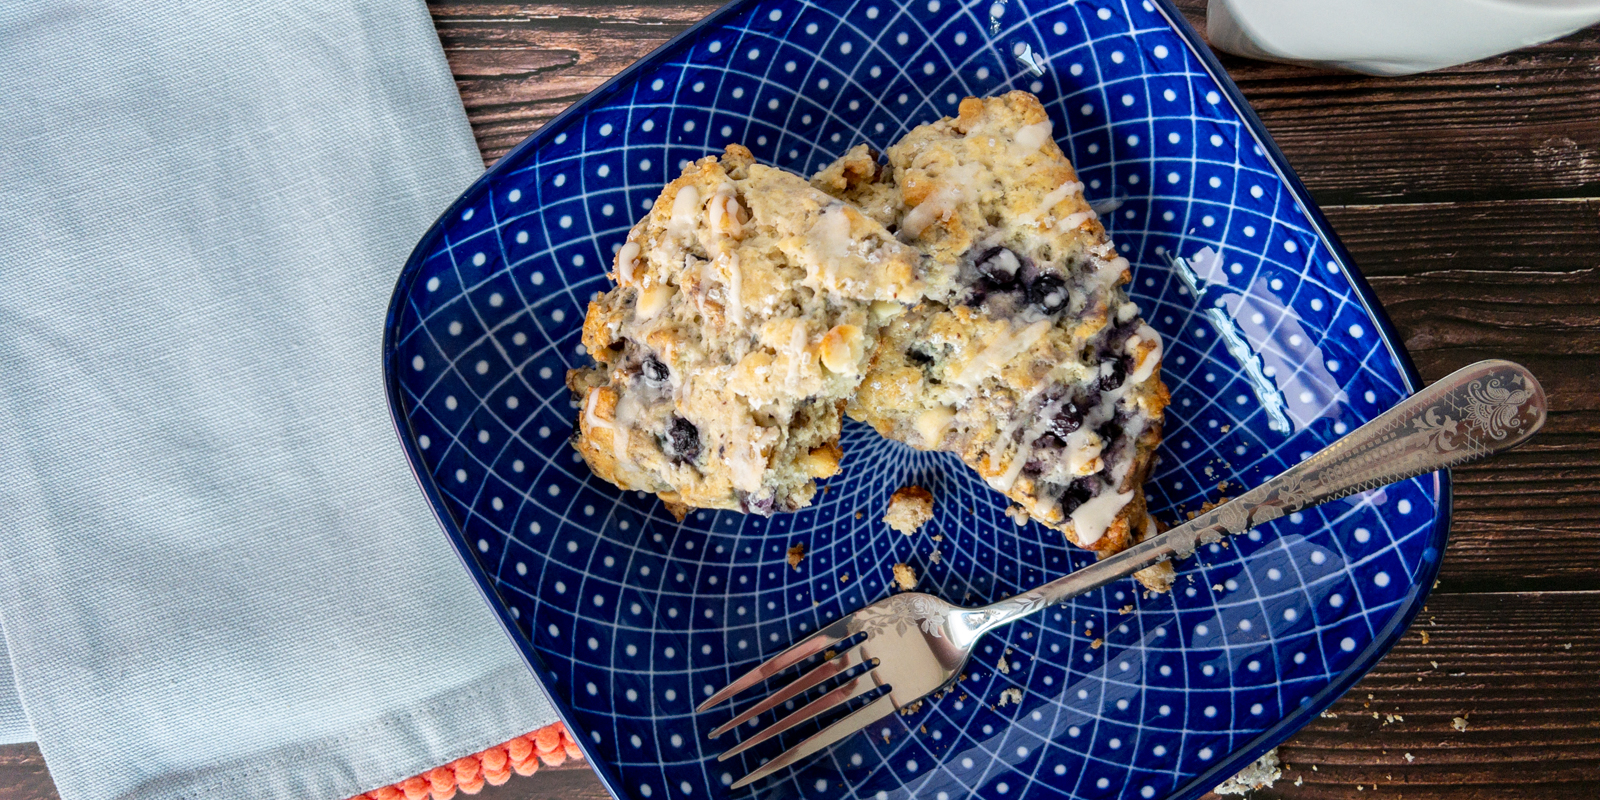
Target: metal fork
point(918, 644)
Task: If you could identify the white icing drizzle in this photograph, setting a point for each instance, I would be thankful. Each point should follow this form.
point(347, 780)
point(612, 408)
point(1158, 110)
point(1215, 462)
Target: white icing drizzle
point(1024, 450)
point(935, 207)
point(1072, 221)
point(723, 211)
point(619, 436)
point(1147, 367)
point(625, 261)
point(957, 186)
point(1050, 200)
point(1030, 138)
point(685, 207)
point(1007, 261)
point(1091, 519)
point(1001, 349)
point(1085, 458)
point(1111, 270)
point(1047, 505)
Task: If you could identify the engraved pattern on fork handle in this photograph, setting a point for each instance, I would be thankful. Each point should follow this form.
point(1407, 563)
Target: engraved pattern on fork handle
point(1475, 411)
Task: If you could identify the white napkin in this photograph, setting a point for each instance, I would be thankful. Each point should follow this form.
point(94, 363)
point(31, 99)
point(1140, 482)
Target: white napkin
point(218, 577)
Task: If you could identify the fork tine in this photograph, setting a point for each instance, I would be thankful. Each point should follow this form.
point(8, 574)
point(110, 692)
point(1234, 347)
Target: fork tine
point(822, 672)
point(868, 714)
point(804, 649)
point(856, 687)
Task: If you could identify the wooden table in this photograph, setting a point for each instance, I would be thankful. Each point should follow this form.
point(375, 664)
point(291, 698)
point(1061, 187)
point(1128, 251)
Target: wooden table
point(1470, 199)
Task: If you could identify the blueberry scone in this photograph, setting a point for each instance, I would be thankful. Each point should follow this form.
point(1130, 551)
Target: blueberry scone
point(746, 306)
point(1028, 360)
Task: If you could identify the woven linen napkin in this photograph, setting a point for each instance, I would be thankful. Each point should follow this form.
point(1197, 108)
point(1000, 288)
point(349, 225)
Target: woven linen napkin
point(218, 577)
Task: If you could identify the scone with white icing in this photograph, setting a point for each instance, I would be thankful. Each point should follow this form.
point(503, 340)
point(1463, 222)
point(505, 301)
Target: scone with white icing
point(746, 307)
point(1035, 369)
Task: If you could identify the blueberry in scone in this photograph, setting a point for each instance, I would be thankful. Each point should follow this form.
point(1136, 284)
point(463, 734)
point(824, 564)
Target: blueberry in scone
point(1027, 358)
point(745, 307)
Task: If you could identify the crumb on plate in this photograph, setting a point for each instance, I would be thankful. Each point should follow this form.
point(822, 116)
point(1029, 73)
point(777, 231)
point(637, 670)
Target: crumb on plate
point(1010, 696)
point(905, 576)
point(910, 507)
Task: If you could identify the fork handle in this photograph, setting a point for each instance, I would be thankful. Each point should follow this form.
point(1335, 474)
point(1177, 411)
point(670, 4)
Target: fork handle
point(1473, 412)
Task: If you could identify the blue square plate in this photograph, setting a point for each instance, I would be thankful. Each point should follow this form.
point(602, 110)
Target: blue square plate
point(1275, 347)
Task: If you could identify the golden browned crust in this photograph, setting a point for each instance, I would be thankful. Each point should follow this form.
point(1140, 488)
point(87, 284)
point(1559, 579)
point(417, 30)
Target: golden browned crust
point(974, 368)
point(741, 320)
point(1009, 341)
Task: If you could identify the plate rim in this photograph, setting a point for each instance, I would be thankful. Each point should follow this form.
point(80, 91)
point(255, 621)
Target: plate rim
point(1273, 736)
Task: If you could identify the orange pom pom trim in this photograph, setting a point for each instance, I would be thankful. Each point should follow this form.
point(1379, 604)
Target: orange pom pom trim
point(550, 744)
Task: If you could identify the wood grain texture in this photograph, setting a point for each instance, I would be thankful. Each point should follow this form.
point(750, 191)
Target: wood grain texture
point(573, 780)
point(1522, 670)
point(519, 64)
point(1506, 279)
point(1519, 125)
point(23, 775)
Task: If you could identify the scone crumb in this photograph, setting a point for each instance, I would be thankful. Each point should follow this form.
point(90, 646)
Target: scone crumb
point(910, 507)
point(1259, 775)
point(905, 576)
point(911, 709)
point(1410, 758)
point(1208, 506)
point(1003, 665)
point(936, 556)
point(1097, 644)
point(1459, 723)
point(844, 577)
point(1424, 636)
point(1010, 696)
point(797, 554)
point(1127, 609)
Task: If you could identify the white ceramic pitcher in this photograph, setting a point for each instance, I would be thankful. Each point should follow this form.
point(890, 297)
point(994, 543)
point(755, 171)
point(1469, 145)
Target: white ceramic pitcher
point(1390, 37)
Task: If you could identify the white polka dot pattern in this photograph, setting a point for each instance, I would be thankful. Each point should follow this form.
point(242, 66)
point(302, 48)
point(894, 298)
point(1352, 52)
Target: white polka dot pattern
point(1273, 349)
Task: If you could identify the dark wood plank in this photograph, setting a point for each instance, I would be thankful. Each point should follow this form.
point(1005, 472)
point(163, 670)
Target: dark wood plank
point(1517, 280)
point(573, 780)
point(23, 775)
point(519, 64)
point(1523, 671)
point(1519, 125)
